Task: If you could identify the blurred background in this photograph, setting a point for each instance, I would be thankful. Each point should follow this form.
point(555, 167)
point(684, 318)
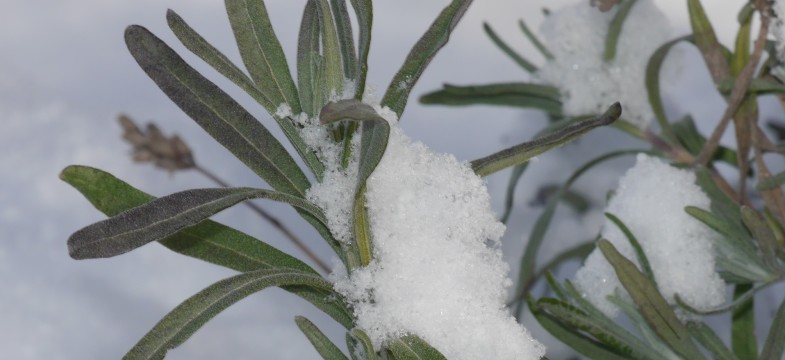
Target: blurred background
point(65, 76)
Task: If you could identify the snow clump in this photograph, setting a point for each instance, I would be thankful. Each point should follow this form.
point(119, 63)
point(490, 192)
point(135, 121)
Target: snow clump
point(576, 34)
point(433, 273)
point(650, 201)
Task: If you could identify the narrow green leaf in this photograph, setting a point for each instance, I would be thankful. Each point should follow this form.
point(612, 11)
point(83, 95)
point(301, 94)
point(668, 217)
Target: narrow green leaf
point(637, 348)
point(574, 317)
point(654, 308)
point(365, 341)
point(775, 341)
point(308, 60)
point(362, 229)
point(520, 60)
point(356, 352)
point(363, 9)
point(761, 231)
point(710, 341)
point(645, 331)
point(727, 210)
point(534, 40)
point(509, 197)
point(653, 67)
point(744, 342)
point(212, 56)
point(209, 54)
point(736, 250)
point(528, 264)
point(639, 253)
point(525, 95)
point(707, 42)
point(615, 29)
point(164, 217)
point(771, 183)
point(422, 53)
point(411, 347)
point(216, 112)
point(575, 340)
point(320, 342)
point(331, 50)
point(208, 240)
point(343, 26)
point(261, 51)
point(741, 51)
point(554, 286)
point(523, 152)
point(179, 324)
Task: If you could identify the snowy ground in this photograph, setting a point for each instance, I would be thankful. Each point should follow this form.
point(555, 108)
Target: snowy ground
point(64, 77)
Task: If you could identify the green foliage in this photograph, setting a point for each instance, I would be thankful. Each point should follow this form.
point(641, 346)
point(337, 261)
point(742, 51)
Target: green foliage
point(748, 242)
point(188, 317)
point(326, 58)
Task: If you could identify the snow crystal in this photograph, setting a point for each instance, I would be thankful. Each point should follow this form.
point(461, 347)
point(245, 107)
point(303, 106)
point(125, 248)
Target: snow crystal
point(576, 37)
point(433, 274)
point(650, 201)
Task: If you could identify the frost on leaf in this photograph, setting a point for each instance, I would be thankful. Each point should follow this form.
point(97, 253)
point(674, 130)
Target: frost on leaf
point(576, 34)
point(433, 274)
point(650, 201)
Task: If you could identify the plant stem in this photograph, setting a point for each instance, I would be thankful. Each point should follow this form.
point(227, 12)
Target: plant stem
point(272, 220)
point(739, 88)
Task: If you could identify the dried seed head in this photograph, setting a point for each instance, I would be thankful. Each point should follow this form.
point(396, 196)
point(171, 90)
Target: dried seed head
point(604, 5)
point(153, 146)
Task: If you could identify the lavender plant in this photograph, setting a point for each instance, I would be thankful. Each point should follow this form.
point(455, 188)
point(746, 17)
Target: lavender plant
point(674, 239)
point(353, 152)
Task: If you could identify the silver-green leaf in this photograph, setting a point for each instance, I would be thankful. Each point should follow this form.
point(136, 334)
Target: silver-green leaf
point(320, 342)
point(164, 217)
point(521, 153)
point(261, 51)
point(422, 53)
point(179, 324)
point(216, 112)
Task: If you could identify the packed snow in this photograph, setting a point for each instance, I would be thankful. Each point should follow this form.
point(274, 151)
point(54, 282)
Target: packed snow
point(576, 34)
point(437, 270)
point(650, 201)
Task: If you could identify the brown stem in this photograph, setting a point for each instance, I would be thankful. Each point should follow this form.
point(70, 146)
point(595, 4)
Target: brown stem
point(739, 88)
point(272, 220)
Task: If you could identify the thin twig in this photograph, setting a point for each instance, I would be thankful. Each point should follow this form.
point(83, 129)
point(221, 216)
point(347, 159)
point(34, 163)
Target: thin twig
point(275, 222)
point(739, 88)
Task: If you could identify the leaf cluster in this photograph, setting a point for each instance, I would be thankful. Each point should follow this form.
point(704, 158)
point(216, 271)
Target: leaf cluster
point(328, 63)
point(750, 236)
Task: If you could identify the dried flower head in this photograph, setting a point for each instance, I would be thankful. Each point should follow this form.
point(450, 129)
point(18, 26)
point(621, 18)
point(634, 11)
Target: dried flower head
point(152, 145)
